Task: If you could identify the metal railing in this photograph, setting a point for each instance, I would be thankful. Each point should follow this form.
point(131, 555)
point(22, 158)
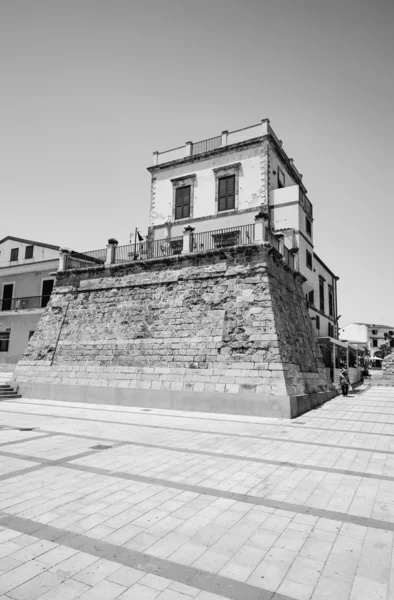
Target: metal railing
point(149, 249)
point(100, 255)
point(25, 303)
point(222, 238)
point(199, 242)
point(207, 145)
point(82, 260)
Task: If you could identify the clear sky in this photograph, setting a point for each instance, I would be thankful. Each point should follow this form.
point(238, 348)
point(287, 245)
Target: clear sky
point(90, 88)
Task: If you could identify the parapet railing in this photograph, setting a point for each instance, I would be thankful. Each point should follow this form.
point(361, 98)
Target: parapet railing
point(222, 238)
point(25, 303)
point(189, 242)
point(149, 249)
point(81, 260)
point(207, 145)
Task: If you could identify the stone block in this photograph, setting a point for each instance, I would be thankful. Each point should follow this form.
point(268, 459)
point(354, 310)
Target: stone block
point(230, 322)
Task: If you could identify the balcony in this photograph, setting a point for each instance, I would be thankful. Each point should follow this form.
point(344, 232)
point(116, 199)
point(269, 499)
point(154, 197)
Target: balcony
point(25, 303)
point(190, 242)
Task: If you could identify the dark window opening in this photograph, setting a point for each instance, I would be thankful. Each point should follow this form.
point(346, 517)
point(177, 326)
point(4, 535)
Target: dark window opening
point(14, 254)
point(308, 226)
point(330, 330)
point(311, 297)
point(330, 302)
point(47, 287)
point(4, 341)
point(8, 292)
point(309, 260)
point(182, 202)
point(281, 178)
point(374, 332)
point(317, 322)
point(29, 251)
point(321, 294)
point(226, 193)
point(375, 343)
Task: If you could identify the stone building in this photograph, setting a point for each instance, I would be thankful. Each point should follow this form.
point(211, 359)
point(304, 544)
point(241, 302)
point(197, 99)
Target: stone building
point(218, 186)
point(209, 313)
point(223, 330)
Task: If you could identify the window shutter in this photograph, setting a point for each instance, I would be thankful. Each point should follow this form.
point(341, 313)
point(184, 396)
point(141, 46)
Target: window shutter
point(182, 202)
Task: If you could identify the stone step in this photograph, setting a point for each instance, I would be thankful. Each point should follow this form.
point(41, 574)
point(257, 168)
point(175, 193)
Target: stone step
point(11, 395)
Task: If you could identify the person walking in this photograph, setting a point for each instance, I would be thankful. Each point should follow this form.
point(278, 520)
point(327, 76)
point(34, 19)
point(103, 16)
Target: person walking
point(344, 382)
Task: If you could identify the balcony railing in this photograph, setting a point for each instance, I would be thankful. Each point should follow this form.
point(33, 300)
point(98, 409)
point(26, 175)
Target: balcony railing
point(222, 238)
point(82, 260)
point(207, 145)
point(26, 303)
point(149, 249)
point(190, 242)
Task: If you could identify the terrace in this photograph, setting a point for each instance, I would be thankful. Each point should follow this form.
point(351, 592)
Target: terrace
point(189, 242)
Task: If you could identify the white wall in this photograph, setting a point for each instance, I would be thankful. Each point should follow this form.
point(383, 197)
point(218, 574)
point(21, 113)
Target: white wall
point(275, 162)
point(354, 332)
point(251, 184)
point(40, 253)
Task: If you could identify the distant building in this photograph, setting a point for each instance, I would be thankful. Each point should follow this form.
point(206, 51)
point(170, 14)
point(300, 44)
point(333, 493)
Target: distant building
point(371, 335)
point(26, 282)
point(219, 185)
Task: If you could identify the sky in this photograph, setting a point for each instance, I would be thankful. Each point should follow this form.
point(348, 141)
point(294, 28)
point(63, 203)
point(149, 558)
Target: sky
point(90, 88)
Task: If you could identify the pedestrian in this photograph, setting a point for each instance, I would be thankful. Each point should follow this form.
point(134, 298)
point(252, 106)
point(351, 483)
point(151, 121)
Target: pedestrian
point(344, 382)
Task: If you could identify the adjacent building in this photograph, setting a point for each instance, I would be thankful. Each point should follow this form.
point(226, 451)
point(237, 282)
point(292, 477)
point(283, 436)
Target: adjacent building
point(217, 187)
point(26, 282)
point(371, 335)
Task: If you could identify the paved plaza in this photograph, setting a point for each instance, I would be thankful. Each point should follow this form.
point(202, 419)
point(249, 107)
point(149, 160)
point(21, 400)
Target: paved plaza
point(103, 503)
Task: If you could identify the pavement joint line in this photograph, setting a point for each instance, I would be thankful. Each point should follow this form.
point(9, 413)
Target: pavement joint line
point(47, 461)
point(201, 580)
point(248, 499)
point(262, 437)
point(165, 427)
point(352, 419)
point(265, 461)
point(24, 471)
point(31, 439)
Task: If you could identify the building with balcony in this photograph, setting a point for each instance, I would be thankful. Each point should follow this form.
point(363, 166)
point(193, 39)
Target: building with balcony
point(217, 188)
point(370, 335)
point(26, 282)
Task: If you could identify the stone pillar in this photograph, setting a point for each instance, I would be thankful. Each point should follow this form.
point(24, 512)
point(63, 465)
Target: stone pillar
point(260, 226)
point(111, 247)
point(187, 239)
point(189, 148)
point(64, 253)
point(281, 239)
point(224, 138)
point(296, 254)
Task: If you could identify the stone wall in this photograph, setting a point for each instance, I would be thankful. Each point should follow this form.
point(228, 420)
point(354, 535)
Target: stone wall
point(388, 368)
point(226, 331)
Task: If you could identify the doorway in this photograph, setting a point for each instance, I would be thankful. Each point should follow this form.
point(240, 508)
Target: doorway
point(47, 287)
point(8, 292)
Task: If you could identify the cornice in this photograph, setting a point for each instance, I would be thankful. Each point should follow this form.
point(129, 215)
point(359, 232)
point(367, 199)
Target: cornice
point(254, 142)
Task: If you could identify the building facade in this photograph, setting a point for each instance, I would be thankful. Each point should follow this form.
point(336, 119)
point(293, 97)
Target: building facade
point(217, 187)
point(26, 282)
point(372, 335)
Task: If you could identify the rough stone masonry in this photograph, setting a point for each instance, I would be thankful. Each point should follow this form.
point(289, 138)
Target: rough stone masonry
point(222, 331)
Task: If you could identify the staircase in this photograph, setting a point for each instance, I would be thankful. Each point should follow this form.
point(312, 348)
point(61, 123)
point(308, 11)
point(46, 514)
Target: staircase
point(7, 391)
